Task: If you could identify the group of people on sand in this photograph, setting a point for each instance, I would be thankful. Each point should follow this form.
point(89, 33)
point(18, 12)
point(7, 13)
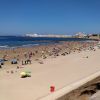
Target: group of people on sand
point(26, 55)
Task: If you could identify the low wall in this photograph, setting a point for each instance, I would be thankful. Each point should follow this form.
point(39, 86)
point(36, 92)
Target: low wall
point(61, 93)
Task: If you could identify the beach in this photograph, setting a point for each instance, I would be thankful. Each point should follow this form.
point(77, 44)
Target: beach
point(57, 65)
point(49, 50)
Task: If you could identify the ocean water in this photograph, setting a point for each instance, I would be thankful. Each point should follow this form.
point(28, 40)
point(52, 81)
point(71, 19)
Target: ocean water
point(18, 41)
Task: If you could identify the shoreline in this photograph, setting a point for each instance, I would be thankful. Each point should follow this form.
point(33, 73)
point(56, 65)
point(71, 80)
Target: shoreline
point(44, 42)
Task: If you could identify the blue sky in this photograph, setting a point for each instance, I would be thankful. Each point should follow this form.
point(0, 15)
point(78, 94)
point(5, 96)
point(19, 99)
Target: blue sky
point(49, 16)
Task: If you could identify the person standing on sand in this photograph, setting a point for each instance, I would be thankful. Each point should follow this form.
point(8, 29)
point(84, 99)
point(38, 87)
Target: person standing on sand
point(25, 55)
point(0, 66)
point(22, 62)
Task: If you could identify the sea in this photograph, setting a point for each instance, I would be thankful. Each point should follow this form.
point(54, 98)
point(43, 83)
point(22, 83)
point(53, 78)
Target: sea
point(7, 42)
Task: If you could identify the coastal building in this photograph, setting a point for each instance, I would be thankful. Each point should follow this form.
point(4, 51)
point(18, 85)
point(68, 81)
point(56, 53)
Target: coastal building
point(80, 35)
point(31, 35)
point(94, 36)
point(47, 35)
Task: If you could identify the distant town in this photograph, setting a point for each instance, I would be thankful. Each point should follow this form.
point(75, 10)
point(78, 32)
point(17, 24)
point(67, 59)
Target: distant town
point(77, 35)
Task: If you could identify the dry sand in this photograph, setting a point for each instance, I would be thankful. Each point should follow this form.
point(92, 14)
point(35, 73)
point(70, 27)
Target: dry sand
point(60, 72)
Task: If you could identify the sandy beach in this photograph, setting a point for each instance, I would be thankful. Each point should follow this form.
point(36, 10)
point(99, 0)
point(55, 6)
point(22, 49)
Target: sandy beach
point(66, 64)
point(49, 49)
